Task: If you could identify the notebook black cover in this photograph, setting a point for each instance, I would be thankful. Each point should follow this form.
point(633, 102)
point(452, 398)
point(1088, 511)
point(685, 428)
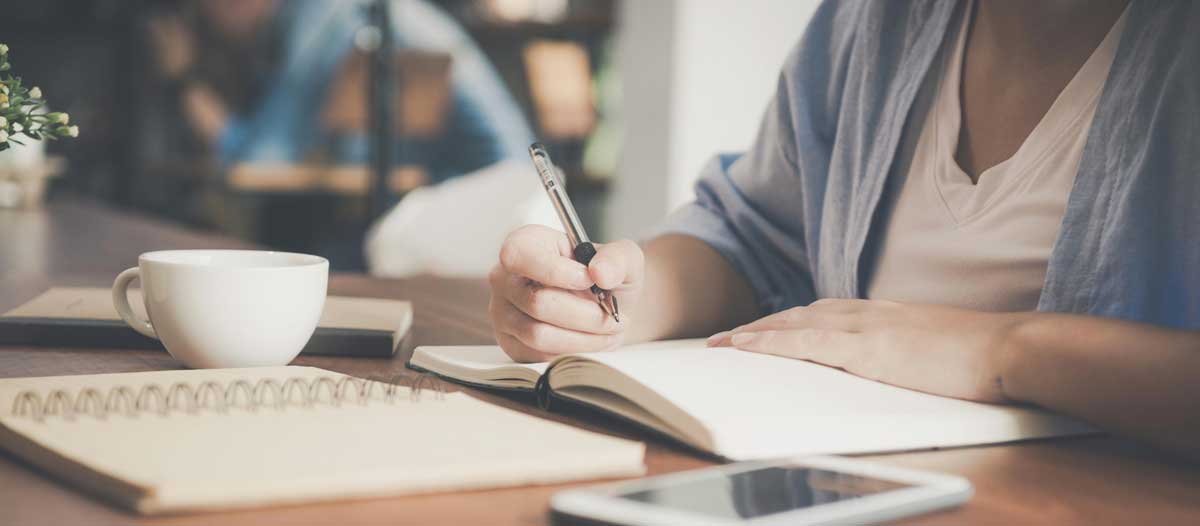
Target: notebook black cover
point(80, 332)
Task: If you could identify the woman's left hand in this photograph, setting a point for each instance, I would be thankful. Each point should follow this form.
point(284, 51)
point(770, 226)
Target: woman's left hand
point(940, 350)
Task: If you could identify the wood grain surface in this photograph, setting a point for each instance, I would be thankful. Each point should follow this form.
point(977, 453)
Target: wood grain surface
point(1072, 481)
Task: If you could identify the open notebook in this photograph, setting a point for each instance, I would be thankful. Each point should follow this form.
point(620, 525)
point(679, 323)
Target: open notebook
point(170, 441)
point(742, 405)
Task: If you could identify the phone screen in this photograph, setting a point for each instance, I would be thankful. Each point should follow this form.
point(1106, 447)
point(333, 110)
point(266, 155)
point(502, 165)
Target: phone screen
point(760, 492)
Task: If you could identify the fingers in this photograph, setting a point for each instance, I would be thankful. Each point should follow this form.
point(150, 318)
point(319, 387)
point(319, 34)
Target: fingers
point(831, 314)
point(829, 347)
point(617, 263)
point(541, 302)
point(545, 338)
point(520, 352)
point(573, 310)
point(541, 254)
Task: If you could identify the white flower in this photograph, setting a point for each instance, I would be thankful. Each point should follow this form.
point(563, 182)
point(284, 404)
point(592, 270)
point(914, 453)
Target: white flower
point(3, 122)
point(64, 118)
point(73, 131)
point(35, 93)
point(3, 136)
point(17, 128)
point(3, 50)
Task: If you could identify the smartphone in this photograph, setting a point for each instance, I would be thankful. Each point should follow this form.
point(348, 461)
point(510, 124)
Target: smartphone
point(795, 492)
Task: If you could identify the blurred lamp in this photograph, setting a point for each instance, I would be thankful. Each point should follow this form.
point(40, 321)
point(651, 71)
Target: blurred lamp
point(560, 80)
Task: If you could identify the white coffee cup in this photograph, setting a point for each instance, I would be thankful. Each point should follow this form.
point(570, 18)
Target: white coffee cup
point(227, 308)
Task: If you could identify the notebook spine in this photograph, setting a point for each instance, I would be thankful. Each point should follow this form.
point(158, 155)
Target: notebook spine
point(263, 394)
point(542, 391)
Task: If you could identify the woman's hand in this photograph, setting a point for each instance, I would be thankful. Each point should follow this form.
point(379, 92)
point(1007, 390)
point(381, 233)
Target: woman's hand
point(940, 350)
point(542, 304)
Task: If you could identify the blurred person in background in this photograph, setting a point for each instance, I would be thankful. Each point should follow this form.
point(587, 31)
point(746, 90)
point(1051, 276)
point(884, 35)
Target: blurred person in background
point(255, 82)
point(253, 77)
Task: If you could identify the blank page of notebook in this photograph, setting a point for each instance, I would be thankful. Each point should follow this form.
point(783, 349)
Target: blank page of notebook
point(758, 406)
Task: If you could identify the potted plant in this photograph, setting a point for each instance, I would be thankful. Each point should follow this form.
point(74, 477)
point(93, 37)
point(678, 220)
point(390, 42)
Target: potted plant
point(24, 126)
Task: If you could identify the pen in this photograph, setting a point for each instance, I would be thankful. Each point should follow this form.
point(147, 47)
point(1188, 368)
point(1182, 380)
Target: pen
point(581, 247)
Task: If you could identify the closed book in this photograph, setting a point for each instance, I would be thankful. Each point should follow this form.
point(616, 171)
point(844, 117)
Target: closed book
point(85, 317)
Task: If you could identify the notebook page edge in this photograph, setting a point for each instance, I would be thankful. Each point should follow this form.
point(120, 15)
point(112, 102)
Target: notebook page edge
point(467, 368)
point(586, 371)
point(124, 493)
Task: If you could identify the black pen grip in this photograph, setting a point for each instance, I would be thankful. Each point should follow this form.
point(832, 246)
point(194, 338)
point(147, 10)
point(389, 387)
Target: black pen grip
point(584, 252)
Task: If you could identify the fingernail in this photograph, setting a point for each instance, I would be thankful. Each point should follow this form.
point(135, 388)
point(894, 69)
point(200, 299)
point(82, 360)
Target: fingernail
point(744, 338)
point(717, 338)
point(600, 270)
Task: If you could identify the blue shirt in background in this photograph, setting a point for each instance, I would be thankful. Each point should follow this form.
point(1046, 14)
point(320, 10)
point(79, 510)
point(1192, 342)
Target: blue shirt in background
point(796, 215)
point(485, 125)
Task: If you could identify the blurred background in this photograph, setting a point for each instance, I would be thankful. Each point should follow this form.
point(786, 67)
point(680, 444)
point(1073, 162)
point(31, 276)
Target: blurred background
point(260, 119)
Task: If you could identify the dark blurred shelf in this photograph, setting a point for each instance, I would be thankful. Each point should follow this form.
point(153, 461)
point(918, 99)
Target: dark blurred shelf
point(584, 19)
point(54, 18)
point(570, 29)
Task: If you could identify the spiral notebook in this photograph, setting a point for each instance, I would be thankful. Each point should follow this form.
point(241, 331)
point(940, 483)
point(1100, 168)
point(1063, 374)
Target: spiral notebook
point(742, 405)
point(174, 441)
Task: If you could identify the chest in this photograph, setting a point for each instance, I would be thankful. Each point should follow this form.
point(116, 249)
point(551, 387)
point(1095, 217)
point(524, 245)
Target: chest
point(1007, 90)
point(975, 227)
point(999, 111)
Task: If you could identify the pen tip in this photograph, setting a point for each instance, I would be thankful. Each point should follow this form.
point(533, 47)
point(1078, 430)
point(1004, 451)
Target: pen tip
point(610, 306)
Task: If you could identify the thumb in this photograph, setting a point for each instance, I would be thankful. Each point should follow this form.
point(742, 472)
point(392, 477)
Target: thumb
point(616, 264)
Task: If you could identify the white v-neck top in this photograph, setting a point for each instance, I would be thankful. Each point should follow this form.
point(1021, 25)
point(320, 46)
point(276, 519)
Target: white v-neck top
point(985, 245)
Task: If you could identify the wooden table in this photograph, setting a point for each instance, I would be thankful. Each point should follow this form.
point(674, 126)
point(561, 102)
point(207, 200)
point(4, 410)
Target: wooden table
point(1076, 481)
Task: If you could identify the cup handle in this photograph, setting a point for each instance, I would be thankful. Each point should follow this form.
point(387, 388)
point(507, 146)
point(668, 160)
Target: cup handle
point(121, 302)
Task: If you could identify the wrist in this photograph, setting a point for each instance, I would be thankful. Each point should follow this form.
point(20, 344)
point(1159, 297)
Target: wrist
point(1014, 343)
point(185, 79)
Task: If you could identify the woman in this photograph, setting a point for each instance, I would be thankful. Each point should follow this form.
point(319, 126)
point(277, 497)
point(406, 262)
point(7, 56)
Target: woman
point(994, 201)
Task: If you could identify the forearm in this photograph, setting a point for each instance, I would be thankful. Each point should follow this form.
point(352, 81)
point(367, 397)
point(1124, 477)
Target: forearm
point(690, 291)
point(1134, 379)
point(205, 111)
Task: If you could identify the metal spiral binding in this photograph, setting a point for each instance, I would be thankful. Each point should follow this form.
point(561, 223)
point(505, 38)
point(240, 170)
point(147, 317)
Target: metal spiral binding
point(266, 393)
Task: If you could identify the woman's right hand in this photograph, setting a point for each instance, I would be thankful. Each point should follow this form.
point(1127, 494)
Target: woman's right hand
point(542, 305)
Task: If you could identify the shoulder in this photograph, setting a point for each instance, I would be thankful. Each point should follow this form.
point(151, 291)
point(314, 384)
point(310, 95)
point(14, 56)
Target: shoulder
point(417, 23)
point(865, 30)
point(420, 24)
point(853, 51)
